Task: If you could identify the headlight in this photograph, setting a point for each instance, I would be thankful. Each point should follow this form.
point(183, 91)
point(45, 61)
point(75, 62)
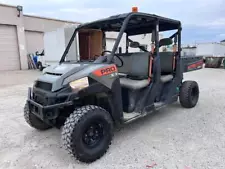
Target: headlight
point(79, 84)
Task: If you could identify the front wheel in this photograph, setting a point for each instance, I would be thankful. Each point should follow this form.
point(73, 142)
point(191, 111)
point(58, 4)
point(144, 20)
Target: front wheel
point(34, 121)
point(189, 94)
point(87, 133)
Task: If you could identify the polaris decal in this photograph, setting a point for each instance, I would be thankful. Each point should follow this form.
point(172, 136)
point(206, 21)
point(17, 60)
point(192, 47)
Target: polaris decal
point(105, 71)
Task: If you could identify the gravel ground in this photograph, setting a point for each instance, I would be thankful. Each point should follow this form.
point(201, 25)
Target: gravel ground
point(172, 138)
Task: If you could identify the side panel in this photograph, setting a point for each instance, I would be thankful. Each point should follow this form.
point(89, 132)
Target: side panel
point(108, 76)
point(191, 63)
point(116, 101)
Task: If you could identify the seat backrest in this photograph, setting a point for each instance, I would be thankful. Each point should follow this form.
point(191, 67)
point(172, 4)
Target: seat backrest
point(166, 61)
point(137, 64)
point(134, 64)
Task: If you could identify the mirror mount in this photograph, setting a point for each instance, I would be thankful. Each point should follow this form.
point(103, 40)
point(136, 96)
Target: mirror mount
point(134, 44)
point(165, 42)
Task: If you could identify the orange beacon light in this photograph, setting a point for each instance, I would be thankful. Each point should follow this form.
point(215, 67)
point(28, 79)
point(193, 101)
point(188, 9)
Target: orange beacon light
point(134, 9)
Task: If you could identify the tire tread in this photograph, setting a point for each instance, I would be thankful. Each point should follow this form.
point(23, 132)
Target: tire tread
point(70, 124)
point(34, 121)
point(184, 98)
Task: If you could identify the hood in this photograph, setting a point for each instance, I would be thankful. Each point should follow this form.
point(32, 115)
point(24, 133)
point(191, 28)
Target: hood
point(62, 74)
point(64, 68)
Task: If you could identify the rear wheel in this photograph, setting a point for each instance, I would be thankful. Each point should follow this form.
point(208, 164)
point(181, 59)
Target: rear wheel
point(34, 121)
point(87, 133)
point(189, 94)
point(39, 66)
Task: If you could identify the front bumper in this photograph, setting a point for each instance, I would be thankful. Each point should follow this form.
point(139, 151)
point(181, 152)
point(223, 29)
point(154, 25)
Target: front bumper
point(45, 112)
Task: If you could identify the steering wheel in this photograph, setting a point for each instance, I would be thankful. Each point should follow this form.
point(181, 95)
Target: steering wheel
point(115, 55)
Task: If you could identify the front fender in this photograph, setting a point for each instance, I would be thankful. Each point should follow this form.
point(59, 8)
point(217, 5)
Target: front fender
point(114, 97)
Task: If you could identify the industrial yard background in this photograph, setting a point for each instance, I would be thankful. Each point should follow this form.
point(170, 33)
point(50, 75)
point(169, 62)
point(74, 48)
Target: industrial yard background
point(22, 34)
point(170, 138)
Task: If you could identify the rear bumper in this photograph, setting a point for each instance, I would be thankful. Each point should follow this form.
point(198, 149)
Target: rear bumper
point(47, 112)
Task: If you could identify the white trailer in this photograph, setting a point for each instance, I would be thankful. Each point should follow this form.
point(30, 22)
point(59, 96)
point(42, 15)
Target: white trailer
point(55, 43)
point(210, 49)
point(213, 54)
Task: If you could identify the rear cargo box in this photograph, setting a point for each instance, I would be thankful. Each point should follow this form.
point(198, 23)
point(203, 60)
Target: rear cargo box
point(191, 63)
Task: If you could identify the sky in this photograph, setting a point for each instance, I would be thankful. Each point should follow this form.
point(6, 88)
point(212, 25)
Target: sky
point(202, 20)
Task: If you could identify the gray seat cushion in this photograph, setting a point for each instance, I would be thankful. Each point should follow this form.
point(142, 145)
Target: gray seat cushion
point(133, 84)
point(166, 78)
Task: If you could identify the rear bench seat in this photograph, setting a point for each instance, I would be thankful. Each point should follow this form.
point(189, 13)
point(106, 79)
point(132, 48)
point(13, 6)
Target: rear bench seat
point(136, 65)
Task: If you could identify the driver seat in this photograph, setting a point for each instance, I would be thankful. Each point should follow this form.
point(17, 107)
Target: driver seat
point(134, 70)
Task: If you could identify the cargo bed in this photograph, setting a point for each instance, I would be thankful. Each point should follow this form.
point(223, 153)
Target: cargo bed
point(191, 63)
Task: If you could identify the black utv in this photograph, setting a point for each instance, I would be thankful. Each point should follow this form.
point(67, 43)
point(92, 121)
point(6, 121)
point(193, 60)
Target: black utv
point(88, 98)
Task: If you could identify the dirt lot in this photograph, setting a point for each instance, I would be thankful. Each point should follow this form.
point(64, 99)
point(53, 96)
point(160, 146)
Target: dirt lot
point(173, 138)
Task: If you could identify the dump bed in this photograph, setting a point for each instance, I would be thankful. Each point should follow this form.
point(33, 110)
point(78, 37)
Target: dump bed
point(191, 63)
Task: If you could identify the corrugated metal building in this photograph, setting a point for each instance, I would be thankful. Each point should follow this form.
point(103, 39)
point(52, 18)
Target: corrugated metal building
point(22, 34)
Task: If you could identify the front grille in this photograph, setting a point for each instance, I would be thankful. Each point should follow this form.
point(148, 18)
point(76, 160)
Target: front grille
point(55, 74)
point(41, 100)
point(44, 85)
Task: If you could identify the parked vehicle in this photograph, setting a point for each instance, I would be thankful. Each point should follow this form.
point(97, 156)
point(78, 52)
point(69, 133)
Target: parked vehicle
point(88, 98)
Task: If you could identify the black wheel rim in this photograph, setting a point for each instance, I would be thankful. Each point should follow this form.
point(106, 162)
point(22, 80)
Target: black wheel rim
point(93, 134)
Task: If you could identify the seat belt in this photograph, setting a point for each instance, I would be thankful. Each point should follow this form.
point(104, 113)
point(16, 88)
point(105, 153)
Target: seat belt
point(174, 52)
point(151, 57)
point(151, 62)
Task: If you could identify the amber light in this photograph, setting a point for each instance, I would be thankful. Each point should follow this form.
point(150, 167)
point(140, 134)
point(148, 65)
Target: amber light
point(134, 9)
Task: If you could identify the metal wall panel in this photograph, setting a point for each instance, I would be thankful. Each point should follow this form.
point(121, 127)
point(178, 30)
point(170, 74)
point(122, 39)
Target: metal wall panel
point(210, 49)
point(34, 41)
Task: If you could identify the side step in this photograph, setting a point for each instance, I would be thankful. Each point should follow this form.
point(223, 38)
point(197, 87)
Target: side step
point(128, 117)
point(159, 105)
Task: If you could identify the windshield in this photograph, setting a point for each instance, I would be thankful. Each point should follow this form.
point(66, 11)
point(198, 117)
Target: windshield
point(89, 40)
point(96, 46)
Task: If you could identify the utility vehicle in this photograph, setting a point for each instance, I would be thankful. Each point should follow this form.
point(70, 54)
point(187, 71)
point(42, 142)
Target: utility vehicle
point(89, 98)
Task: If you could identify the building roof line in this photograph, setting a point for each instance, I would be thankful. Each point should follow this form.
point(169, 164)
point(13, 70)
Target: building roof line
point(54, 19)
point(7, 5)
point(40, 17)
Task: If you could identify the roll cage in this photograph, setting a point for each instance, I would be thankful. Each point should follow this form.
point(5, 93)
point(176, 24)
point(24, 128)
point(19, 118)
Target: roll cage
point(134, 23)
